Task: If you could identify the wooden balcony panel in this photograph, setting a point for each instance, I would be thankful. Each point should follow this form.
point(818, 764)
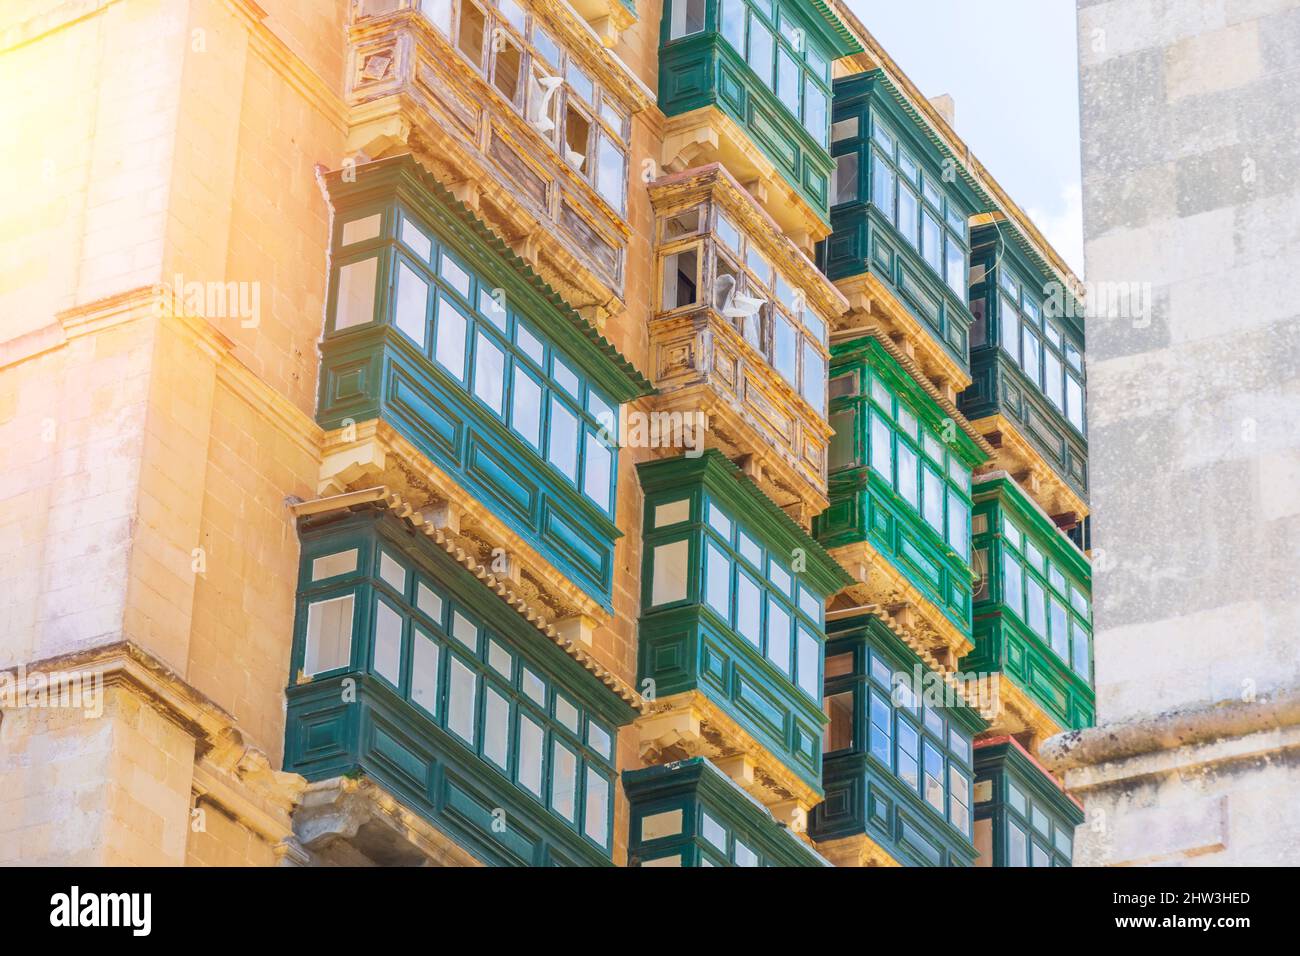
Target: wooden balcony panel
point(411, 91)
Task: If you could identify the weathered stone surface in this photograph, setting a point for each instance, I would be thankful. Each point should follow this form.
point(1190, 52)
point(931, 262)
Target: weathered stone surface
point(1192, 187)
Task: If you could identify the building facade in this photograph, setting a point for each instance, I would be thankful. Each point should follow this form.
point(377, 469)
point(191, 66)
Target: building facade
point(489, 432)
point(1188, 236)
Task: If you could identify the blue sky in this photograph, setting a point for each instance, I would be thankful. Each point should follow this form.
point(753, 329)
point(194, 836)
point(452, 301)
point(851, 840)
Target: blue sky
point(1012, 67)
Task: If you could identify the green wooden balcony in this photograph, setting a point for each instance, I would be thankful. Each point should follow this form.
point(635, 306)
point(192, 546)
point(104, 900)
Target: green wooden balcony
point(1027, 348)
point(412, 673)
point(436, 329)
point(732, 602)
point(1022, 816)
point(900, 204)
point(1033, 612)
point(690, 813)
point(766, 65)
point(898, 754)
point(900, 474)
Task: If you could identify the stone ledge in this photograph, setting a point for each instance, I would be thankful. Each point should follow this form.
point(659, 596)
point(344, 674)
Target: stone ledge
point(1229, 726)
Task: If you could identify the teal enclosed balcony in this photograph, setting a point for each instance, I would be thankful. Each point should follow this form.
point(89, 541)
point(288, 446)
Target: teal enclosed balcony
point(748, 83)
point(1033, 614)
point(449, 371)
point(1027, 368)
point(411, 674)
point(900, 205)
point(689, 813)
point(731, 630)
point(900, 473)
point(1022, 815)
point(898, 754)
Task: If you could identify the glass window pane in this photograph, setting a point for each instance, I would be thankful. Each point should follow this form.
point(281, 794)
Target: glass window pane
point(598, 466)
point(496, 728)
point(759, 57)
point(356, 296)
point(599, 740)
point(1012, 593)
point(717, 584)
point(1035, 611)
point(955, 267)
point(749, 609)
point(564, 780)
point(1080, 656)
point(526, 408)
point(841, 453)
point(882, 458)
point(392, 573)
point(719, 521)
point(785, 350)
point(779, 577)
point(332, 565)
point(882, 186)
point(807, 658)
point(1008, 328)
point(778, 636)
point(566, 713)
point(687, 18)
point(563, 448)
point(881, 727)
point(387, 659)
point(1029, 358)
point(909, 211)
point(681, 279)
point(931, 241)
point(934, 777)
point(733, 24)
point(531, 740)
point(671, 513)
point(1017, 846)
point(566, 377)
point(713, 831)
point(909, 744)
point(489, 372)
point(788, 76)
point(1074, 402)
point(530, 344)
point(329, 635)
point(412, 304)
point(449, 339)
point(907, 474)
point(844, 129)
point(611, 174)
point(429, 601)
point(454, 275)
point(424, 672)
point(809, 604)
point(668, 577)
point(814, 377)
point(958, 525)
point(464, 630)
point(749, 549)
point(462, 699)
point(932, 498)
point(596, 813)
point(1058, 621)
point(534, 687)
point(959, 744)
point(745, 856)
point(814, 111)
point(839, 732)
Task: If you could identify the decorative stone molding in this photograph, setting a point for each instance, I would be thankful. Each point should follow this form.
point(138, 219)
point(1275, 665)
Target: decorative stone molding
point(229, 772)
